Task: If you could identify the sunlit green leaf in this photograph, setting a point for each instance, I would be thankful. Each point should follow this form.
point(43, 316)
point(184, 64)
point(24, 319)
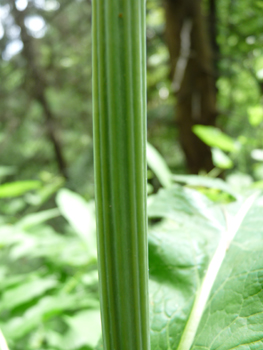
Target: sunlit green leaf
point(6, 170)
point(214, 137)
point(26, 292)
point(255, 115)
point(205, 181)
point(37, 218)
point(80, 215)
point(159, 166)
point(47, 308)
point(220, 159)
point(14, 189)
point(85, 329)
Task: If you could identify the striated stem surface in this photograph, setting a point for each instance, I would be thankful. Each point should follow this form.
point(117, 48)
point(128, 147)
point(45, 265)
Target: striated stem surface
point(119, 117)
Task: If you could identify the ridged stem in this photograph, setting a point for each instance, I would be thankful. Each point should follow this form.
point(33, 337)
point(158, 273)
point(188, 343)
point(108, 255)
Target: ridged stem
point(119, 121)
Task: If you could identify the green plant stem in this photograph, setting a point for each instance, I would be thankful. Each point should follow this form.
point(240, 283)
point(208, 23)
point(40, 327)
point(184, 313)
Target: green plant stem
point(119, 117)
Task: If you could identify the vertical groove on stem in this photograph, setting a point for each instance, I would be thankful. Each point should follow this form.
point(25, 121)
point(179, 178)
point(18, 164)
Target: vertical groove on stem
point(119, 117)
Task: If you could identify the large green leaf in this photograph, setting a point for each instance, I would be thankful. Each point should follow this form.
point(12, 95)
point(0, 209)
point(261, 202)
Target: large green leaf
point(205, 292)
point(233, 318)
point(180, 248)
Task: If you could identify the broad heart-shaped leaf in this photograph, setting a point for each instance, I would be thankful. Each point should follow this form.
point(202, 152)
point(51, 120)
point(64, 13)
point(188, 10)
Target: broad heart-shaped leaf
point(180, 248)
point(189, 256)
point(233, 318)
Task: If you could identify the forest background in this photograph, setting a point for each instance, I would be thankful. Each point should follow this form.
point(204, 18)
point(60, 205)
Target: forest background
point(205, 116)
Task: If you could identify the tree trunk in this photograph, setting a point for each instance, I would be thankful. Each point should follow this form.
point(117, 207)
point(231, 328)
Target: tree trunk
point(193, 79)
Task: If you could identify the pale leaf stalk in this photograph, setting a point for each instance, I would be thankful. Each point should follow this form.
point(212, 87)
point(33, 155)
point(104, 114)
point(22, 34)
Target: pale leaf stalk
point(3, 342)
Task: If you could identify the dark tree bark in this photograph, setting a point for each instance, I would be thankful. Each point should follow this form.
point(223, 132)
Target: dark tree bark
point(212, 16)
point(193, 78)
point(38, 87)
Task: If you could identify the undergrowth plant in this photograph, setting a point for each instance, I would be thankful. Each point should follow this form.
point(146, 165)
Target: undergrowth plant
point(205, 261)
point(205, 269)
point(205, 237)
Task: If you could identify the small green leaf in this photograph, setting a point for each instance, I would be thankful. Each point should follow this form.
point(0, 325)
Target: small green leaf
point(205, 181)
point(159, 166)
point(221, 160)
point(46, 308)
point(15, 189)
point(37, 218)
point(255, 115)
point(214, 137)
point(85, 329)
point(23, 293)
point(7, 170)
point(80, 215)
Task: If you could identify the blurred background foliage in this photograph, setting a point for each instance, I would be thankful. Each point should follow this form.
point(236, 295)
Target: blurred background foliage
point(205, 116)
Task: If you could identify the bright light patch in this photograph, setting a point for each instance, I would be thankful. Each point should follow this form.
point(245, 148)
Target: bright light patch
point(39, 3)
point(257, 154)
point(12, 49)
point(51, 5)
point(66, 62)
point(21, 5)
point(2, 32)
point(250, 40)
point(4, 11)
point(260, 74)
point(34, 23)
point(14, 32)
point(163, 93)
point(48, 5)
point(36, 26)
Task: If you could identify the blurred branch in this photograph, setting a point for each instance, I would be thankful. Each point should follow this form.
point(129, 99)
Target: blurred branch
point(39, 86)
